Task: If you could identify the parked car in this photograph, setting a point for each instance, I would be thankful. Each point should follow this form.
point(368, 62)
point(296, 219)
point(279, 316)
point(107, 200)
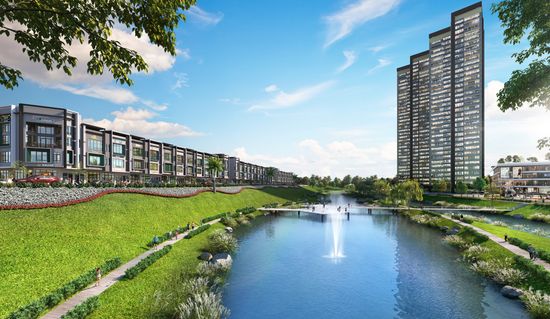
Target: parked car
point(36, 179)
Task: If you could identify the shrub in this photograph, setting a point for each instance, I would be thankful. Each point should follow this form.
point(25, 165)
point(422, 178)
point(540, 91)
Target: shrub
point(272, 205)
point(34, 309)
point(474, 253)
point(230, 222)
point(537, 303)
point(540, 218)
point(532, 269)
point(197, 231)
point(146, 262)
point(499, 223)
point(501, 271)
point(249, 210)
point(211, 218)
point(212, 270)
point(250, 216)
point(456, 241)
point(168, 235)
point(242, 220)
point(202, 305)
point(83, 309)
point(221, 242)
point(473, 236)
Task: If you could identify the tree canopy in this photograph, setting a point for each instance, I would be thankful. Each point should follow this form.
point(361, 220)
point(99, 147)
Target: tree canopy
point(47, 28)
point(532, 84)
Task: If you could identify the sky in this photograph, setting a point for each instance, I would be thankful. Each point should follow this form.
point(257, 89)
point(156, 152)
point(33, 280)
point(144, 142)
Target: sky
point(307, 87)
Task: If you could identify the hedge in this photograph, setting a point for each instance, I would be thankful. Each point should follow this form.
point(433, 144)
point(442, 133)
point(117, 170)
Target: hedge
point(35, 308)
point(533, 268)
point(166, 236)
point(211, 218)
point(83, 309)
point(197, 231)
point(272, 205)
point(246, 210)
point(542, 254)
point(146, 262)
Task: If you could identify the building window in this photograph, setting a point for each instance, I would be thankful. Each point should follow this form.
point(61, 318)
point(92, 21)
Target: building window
point(137, 151)
point(96, 160)
point(95, 144)
point(138, 165)
point(118, 163)
point(167, 156)
point(119, 149)
point(154, 166)
point(5, 134)
point(4, 175)
point(35, 156)
point(168, 168)
point(154, 156)
point(57, 157)
point(5, 156)
point(69, 157)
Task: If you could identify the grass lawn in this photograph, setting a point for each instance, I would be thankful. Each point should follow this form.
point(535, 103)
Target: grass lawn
point(537, 241)
point(531, 209)
point(135, 298)
point(470, 201)
point(44, 248)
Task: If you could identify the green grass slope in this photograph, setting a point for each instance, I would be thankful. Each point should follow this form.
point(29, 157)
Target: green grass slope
point(470, 201)
point(42, 249)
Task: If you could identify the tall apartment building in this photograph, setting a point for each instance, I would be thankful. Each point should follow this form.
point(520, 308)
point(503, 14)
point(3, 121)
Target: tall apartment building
point(55, 141)
point(440, 92)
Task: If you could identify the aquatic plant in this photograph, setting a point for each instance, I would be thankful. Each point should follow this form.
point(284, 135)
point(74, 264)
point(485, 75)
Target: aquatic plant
point(201, 306)
point(537, 303)
point(499, 223)
point(474, 253)
point(500, 271)
point(212, 270)
point(540, 218)
point(456, 241)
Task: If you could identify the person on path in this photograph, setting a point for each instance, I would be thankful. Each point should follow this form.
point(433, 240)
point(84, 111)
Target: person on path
point(97, 276)
point(156, 241)
point(188, 225)
point(530, 250)
point(505, 237)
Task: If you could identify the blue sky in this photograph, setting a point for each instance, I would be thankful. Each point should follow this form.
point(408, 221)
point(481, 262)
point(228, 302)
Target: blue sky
point(305, 86)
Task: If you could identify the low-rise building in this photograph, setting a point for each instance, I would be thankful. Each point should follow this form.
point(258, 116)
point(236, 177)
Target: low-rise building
point(523, 178)
point(54, 141)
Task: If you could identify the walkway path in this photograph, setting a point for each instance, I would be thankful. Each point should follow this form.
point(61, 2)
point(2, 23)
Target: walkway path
point(107, 281)
point(514, 249)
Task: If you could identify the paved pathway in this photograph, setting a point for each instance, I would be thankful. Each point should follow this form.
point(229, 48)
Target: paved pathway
point(514, 249)
point(107, 281)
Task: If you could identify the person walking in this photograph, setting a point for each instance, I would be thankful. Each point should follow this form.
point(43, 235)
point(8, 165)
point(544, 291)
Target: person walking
point(97, 276)
point(506, 237)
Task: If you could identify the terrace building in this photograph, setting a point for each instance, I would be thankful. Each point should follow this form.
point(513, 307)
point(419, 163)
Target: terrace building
point(523, 178)
point(440, 115)
point(55, 141)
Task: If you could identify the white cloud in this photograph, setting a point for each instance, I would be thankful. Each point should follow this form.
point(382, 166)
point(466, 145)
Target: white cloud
point(512, 132)
point(381, 63)
point(378, 48)
point(181, 81)
point(351, 57)
point(204, 17)
point(80, 82)
point(185, 54)
point(285, 100)
point(139, 122)
point(155, 106)
point(271, 88)
point(336, 158)
point(343, 22)
point(232, 100)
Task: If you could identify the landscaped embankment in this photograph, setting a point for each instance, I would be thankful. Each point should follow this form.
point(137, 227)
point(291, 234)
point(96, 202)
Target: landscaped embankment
point(44, 248)
point(43, 197)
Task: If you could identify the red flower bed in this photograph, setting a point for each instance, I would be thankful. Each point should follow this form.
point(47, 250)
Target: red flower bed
point(106, 192)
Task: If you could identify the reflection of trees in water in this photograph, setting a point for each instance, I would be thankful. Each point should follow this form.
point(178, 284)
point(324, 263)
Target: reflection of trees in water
point(430, 280)
point(270, 227)
point(385, 221)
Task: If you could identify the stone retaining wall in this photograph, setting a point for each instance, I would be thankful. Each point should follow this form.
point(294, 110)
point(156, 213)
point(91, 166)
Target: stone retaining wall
point(30, 198)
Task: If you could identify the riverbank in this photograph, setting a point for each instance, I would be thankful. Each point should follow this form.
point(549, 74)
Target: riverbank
point(44, 248)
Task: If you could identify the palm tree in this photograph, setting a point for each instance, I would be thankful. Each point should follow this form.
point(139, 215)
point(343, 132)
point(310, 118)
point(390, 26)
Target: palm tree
point(214, 166)
point(270, 172)
point(19, 166)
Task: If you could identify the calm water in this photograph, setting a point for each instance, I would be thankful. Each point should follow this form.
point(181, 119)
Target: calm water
point(392, 269)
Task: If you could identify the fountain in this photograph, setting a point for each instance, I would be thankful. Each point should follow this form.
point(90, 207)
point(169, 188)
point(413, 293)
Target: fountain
point(335, 232)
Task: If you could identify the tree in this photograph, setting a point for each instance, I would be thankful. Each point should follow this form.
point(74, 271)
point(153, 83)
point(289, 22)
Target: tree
point(440, 186)
point(547, 157)
point(382, 188)
point(461, 187)
point(214, 166)
point(20, 167)
point(517, 159)
point(346, 180)
point(532, 159)
point(46, 29)
point(480, 184)
point(501, 161)
point(508, 158)
point(270, 173)
point(405, 192)
point(531, 85)
point(349, 188)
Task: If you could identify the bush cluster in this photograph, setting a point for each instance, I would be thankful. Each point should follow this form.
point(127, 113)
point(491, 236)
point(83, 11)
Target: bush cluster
point(537, 303)
point(211, 218)
point(83, 310)
point(166, 236)
point(229, 222)
point(34, 309)
point(146, 262)
point(542, 254)
point(221, 242)
point(533, 269)
point(540, 218)
point(246, 210)
point(456, 241)
point(271, 205)
point(197, 231)
point(501, 271)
